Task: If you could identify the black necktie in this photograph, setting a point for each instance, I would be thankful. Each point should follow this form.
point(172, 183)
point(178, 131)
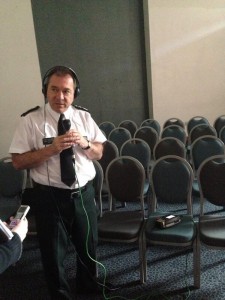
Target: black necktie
point(66, 156)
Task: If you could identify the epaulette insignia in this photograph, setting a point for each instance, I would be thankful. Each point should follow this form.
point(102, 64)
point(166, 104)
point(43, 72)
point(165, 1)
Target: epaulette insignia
point(30, 110)
point(80, 107)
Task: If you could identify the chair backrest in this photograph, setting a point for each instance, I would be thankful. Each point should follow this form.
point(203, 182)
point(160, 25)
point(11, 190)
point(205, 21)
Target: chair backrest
point(211, 178)
point(12, 181)
point(200, 130)
point(130, 125)
point(125, 178)
point(169, 146)
point(119, 135)
point(196, 121)
point(174, 121)
point(149, 135)
point(219, 123)
point(107, 127)
point(204, 147)
point(97, 184)
point(110, 151)
point(152, 123)
point(222, 134)
point(171, 180)
point(138, 149)
point(175, 131)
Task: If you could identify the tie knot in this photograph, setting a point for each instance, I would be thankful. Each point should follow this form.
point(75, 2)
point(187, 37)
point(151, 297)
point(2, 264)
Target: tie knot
point(62, 117)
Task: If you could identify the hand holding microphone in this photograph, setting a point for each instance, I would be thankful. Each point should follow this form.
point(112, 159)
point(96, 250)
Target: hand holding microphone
point(68, 137)
point(63, 140)
point(77, 138)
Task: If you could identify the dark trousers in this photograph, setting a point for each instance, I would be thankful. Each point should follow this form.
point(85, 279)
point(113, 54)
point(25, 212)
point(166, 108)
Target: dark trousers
point(60, 218)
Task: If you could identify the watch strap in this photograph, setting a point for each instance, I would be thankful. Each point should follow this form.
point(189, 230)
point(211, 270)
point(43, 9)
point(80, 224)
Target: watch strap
point(88, 146)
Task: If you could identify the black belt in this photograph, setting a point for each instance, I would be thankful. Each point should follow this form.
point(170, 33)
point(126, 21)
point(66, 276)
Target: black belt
point(72, 192)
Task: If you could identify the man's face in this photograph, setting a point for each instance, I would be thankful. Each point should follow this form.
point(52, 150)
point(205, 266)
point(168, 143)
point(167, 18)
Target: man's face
point(60, 92)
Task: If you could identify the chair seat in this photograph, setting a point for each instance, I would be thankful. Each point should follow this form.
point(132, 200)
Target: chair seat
point(181, 233)
point(120, 225)
point(212, 230)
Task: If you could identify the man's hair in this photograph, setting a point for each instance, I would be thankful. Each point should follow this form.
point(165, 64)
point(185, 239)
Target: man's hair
point(61, 71)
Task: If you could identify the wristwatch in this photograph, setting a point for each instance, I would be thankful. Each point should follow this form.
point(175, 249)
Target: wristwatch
point(88, 146)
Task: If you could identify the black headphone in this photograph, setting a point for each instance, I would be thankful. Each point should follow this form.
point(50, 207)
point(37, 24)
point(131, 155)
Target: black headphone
point(62, 69)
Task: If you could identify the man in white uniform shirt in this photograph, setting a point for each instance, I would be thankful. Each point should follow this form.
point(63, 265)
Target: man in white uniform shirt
point(60, 209)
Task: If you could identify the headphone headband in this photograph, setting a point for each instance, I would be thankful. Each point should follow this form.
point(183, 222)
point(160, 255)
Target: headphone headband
point(63, 70)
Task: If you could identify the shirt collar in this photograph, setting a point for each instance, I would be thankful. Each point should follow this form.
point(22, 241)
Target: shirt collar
point(55, 115)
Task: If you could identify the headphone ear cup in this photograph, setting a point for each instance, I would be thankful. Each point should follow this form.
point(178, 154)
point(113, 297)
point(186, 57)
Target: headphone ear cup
point(44, 92)
point(77, 92)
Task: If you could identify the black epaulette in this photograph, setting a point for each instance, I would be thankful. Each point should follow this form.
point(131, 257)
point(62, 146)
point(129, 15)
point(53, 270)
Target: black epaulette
point(30, 110)
point(80, 107)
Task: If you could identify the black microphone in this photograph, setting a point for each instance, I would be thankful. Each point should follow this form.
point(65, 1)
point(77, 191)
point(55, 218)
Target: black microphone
point(66, 125)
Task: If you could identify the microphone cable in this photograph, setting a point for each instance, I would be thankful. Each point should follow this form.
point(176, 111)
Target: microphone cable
point(102, 285)
point(67, 126)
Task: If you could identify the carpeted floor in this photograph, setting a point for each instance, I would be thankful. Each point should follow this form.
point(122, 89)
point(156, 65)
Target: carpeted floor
point(170, 273)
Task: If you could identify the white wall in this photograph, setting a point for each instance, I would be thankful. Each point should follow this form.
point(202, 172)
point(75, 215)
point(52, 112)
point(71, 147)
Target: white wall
point(20, 79)
point(187, 42)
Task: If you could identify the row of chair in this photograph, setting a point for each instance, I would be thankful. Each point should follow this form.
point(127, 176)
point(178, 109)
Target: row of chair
point(201, 148)
point(171, 179)
point(131, 126)
point(218, 126)
point(119, 135)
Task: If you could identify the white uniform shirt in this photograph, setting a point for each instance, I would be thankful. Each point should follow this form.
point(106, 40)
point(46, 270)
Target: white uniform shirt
point(43, 123)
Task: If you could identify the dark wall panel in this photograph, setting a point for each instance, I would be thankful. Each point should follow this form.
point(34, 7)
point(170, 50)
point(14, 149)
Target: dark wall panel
point(103, 40)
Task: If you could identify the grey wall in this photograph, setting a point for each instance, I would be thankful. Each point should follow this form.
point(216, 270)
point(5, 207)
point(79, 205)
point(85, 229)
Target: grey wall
point(104, 42)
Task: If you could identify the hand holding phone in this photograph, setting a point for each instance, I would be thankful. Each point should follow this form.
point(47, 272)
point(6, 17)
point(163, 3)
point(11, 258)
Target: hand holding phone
point(20, 215)
point(21, 228)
